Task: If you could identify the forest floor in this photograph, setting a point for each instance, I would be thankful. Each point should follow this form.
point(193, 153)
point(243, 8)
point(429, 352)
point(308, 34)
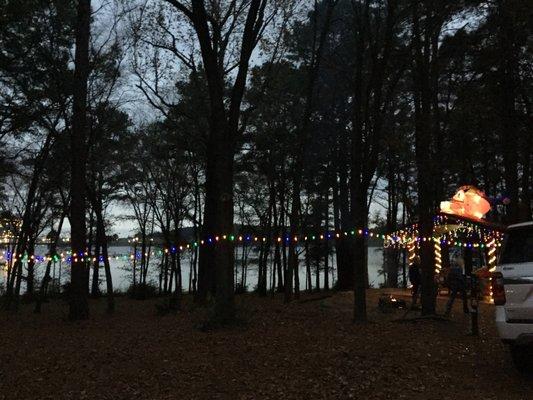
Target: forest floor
point(304, 350)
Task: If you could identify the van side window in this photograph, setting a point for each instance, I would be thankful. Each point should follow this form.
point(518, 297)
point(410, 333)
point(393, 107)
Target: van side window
point(518, 247)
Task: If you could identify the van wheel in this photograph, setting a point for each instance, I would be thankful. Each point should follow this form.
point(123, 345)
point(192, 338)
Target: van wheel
point(522, 358)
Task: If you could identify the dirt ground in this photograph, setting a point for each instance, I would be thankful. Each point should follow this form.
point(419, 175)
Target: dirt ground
point(305, 350)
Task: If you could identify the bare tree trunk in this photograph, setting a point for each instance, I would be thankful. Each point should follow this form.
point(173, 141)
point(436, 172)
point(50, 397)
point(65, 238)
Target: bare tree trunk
point(508, 79)
point(102, 240)
point(194, 270)
point(134, 265)
point(53, 255)
point(15, 267)
point(30, 275)
point(90, 241)
point(326, 268)
point(319, 39)
point(367, 127)
point(224, 256)
point(423, 155)
point(78, 305)
point(197, 216)
point(180, 277)
point(149, 251)
point(278, 222)
point(144, 265)
point(317, 265)
point(171, 275)
point(359, 207)
point(243, 265)
point(326, 246)
point(391, 253)
point(309, 283)
point(165, 273)
point(161, 267)
point(190, 273)
point(95, 288)
point(343, 221)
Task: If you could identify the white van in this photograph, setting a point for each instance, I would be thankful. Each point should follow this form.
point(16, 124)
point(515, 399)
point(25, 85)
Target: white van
point(512, 291)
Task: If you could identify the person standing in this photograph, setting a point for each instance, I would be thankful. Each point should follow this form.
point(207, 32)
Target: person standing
point(457, 284)
point(415, 279)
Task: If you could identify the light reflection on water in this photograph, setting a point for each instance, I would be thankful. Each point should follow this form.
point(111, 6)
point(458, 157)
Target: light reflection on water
point(121, 270)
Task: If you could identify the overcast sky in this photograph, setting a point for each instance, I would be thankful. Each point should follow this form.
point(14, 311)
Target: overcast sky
point(138, 108)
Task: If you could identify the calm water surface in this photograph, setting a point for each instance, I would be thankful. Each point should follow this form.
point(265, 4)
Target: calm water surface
point(121, 269)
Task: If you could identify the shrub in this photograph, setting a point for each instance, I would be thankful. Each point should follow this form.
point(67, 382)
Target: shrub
point(168, 305)
point(142, 291)
point(65, 292)
point(240, 289)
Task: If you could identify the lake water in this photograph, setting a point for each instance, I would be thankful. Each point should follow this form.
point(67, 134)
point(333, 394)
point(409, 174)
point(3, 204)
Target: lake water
point(121, 269)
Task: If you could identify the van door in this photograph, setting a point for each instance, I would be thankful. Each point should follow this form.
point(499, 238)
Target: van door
point(516, 265)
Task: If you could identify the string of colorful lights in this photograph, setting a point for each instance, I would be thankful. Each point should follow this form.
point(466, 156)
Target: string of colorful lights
point(405, 238)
